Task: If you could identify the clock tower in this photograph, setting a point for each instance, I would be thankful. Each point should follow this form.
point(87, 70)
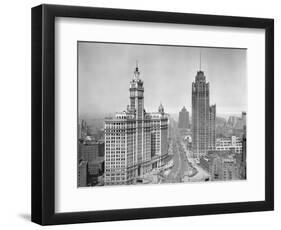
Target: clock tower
point(136, 95)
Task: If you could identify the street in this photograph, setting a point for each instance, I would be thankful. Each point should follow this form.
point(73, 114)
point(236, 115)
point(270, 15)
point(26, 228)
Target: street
point(201, 174)
point(180, 167)
point(185, 168)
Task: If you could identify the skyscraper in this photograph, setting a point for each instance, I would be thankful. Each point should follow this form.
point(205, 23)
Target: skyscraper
point(212, 128)
point(203, 116)
point(183, 119)
point(135, 141)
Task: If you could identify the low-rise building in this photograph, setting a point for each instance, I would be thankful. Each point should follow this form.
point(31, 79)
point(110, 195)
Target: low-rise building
point(233, 143)
point(221, 165)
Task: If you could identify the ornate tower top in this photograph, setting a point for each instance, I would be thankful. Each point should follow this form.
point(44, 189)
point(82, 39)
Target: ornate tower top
point(200, 61)
point(184, 109)
point(161, 108)
point(200, 77)
point(136, 73)
point(136, 94)
point(136, 82)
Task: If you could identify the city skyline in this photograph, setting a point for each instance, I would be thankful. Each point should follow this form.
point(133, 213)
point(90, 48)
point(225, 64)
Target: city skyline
point(136, 143)
point(175, 66)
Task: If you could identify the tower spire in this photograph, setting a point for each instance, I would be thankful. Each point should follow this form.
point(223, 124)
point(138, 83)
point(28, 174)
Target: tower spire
point(136, 73)
point(200, 61)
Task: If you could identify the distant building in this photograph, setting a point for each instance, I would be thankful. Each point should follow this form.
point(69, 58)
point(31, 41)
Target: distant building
point(222, 165)
point(237, 122)
point(244, 118)
point(82, 129)
point(232, 121)
point(82, 173)
point(91, 150)
point(135, 141)
point(233, 143)
point(243, 157)
point(203, 117)
point(183, 122)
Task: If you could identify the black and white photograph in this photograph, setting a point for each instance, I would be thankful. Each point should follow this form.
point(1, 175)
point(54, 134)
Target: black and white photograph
point(155, 114)
point(150, 113)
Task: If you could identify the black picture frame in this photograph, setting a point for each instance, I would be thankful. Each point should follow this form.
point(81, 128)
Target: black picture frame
point(43, 114)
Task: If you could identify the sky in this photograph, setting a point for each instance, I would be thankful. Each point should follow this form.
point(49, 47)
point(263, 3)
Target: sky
point(105, 70)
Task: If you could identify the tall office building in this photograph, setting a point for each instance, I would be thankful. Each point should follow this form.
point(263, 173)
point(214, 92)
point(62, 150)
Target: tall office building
point(135, 141)
point(183, 119)
point(212, 127)
point(159, 134)
point(203, 117)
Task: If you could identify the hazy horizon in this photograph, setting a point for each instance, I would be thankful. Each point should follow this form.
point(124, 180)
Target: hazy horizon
point(105, 70)
point(173, 115)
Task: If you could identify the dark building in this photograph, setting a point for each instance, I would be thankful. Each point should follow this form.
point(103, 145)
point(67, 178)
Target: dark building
point(203, 117)
point(91, 152)
point(100, 148)
point(243, 157)
point(244, 117)
point(212, 128)
point(82, 174)
point(183, 119)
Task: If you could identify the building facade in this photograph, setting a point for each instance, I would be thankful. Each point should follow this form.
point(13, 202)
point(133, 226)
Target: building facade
point(222, 165)
point(135, 141)
point(183, 122)
point(92, 152)
point(203, 117)
point(233, 143)
point(237, 122)
point(243, 169)
point(212, 127)
point(82, 174)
